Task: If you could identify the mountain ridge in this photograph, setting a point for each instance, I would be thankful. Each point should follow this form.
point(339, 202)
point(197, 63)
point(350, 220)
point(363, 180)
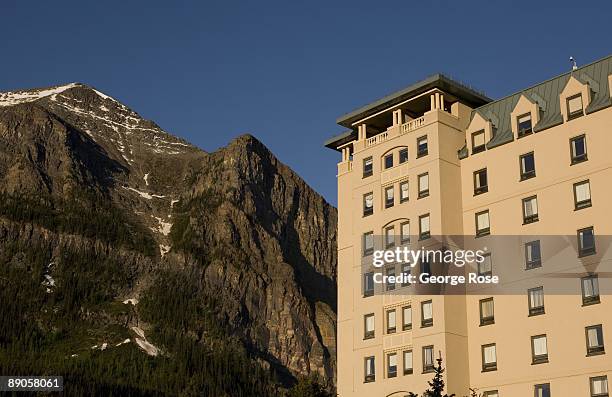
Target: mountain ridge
point(242, 226)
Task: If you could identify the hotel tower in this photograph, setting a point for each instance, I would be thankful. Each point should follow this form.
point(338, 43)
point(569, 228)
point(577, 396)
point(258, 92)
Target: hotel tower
point(528, 176)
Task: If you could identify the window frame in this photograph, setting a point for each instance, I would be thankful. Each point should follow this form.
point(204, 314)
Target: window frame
point(367, 211)
point(520, 133)
point(367, 251)
point(422, 193)
point(582, 252)
point(369, 173)
point(407, 198)
point(389, 232)
point(368, 378)
point(424, 235)
point(480, 189)
point(576, 114)
point(597, 350)
point(406, 326)
point(536, 310)
point(424, 152)
point(431, 367)
point(391, 374)
point(368, 334)
point(574, 159)
point(400, 153)
point(386, 163)
point(390, 272)
point(404, 239)
point(486, 320)
point(542, 358)
point(579, 205)
point(527, 219)
point(486, 231)
point(479, 148)
point(525, 175)
point(488, 367)
point(389, 202)
point(533, 264)
point(592, 300)
point(544, 386)
point(367, 292)
point(429, 322)
point(408, 371)
point(592, 381)
point(388, 329)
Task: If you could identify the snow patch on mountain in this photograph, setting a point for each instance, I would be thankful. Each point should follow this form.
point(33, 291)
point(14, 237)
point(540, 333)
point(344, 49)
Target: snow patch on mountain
point(144, 194)
point(24, 96)
point(142, 342)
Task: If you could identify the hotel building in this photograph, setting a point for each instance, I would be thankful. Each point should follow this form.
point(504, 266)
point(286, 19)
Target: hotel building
point(441, 159)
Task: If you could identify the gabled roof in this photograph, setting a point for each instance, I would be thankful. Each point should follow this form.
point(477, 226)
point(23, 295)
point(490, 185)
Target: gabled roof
point(546, 95)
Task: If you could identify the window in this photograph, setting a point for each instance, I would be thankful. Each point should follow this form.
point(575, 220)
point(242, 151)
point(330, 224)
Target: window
point(425, 266)
point(408, 369)
point(542, 390)
point(368, 324)
point(478, 142)
point(424, 232)
point(533, 256)
point(485, 267)
point(391, 324)
point(536, 301)
point(423, 185)
point(368, 204)
point(389, 160)
point(530, 210)
point(368, 243)
point(428, 359)
point(389, 199)
point(406, 318)
point(403, 155)
point(582, 195)
point(403, 191)
point(599, 386)
point(487, 315)
point(578, 150)
point(594, 340)
point(405, 232)
point(586, 242)
point(481, 184)
point(368, 284)
point(370, 371)
point(483, 226)
point(390, 272)
point(489, 358)
point(539, 350)
point(391, 365)
point(422, 149)
point(527, 162)
point(368, 165)
point(524, 125)
point(389, 236)
point(574, 107)
point(491, 393)
point(590, 290)
point(426, 314)
point(406, 270)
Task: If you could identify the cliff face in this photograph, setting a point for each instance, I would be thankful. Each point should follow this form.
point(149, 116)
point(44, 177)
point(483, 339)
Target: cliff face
point(100, 206)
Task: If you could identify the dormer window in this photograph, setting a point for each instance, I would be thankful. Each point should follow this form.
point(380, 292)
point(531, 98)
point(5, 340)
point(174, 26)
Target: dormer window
point(524, 125)
point(574, 107)
point(478, 141)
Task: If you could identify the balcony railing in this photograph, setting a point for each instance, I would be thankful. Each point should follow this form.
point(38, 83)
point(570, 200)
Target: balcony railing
point(412, 125)
point(377, 139)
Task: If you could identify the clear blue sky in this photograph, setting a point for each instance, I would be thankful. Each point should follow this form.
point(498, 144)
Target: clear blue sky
point(285, 70)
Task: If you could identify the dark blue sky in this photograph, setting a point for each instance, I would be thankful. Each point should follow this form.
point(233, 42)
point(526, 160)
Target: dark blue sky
point(284, 71)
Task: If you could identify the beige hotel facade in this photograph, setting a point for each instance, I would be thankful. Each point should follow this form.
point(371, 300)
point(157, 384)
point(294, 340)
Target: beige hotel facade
point(441, 159)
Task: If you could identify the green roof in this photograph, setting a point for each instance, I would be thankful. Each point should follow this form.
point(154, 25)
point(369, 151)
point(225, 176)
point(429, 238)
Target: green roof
point(546, 95)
